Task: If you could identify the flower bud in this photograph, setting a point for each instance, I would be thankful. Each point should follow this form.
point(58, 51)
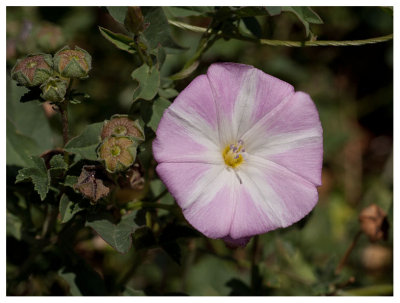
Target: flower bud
point(33, 70)
point(49, 37)
point(54, 90)
point(118, 153)
point(72, 63)
point(134, 20)
point(91, 183)
point(122, 125)
point(373, 222)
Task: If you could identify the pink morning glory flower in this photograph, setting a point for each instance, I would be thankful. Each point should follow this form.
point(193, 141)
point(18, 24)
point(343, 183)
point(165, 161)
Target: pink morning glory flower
point(241, 152)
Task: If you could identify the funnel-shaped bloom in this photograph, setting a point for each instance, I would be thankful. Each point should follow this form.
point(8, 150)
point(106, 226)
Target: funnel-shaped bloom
point(241, 152)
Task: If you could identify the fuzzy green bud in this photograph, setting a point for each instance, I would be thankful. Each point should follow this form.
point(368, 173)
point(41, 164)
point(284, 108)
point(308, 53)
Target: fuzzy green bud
point(118, 153)
point(71, 63)
point(54, 90)
point(33, 70)
point(122, 125)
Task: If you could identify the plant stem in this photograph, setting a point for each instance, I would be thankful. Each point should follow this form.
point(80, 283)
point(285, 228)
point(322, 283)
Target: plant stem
point(198, 29)
point(347, 253)
point(64, 118)
point(141, 204)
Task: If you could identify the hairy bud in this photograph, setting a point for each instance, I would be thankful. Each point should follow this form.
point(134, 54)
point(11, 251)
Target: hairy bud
point(54, 90)
point(91, 183)
point(118, 153)
point(72, 63)
point(33, 70)
point(122, 125)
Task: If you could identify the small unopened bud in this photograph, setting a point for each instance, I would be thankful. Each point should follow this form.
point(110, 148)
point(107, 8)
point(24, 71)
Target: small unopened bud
point(72, 63)
point(49, 37)
point(33, 70)
point(373, 222)
point(134, 20)
point(54, 90)
point(118, 153)
point(122, 125)
point(91, 183)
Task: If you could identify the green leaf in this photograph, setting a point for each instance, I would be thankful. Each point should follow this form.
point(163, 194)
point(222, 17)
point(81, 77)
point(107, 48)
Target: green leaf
point(29, 118)
point(68, 208)
point(158, 31)
point(58, 162)
point(83, 280)
point(117, 235)
point(251, 11)
point(70, 181)
point(152, 113)
point(38, 174)
point(86, 143)
point(19, 148)
point(168, 93)
point(14, 226)
point(305, 14)
point(273, 10)
point(148, 82)
point(253, 26)
point(118, 13)
point(57, 166)
point(119, 40)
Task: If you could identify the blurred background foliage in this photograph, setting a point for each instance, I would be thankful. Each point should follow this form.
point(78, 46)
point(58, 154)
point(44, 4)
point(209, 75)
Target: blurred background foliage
point(353, 91)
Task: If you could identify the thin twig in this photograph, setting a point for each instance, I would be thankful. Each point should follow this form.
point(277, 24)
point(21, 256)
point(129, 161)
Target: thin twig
point(347, 253)
point(270, 42)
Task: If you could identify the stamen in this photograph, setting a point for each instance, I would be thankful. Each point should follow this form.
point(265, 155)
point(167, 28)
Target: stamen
point(233, 154)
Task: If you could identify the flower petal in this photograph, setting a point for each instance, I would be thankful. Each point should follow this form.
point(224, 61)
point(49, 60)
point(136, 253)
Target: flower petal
point(244, 95)
point(290, 135)
point(270, 197)
point(182, 140)
point(204, 192)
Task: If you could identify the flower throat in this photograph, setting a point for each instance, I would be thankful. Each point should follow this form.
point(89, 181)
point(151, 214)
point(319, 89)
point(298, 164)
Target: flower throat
point(233, 154)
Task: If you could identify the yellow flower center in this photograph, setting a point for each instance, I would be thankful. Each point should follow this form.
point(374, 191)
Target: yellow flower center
point(115, 150)
point(233, 154)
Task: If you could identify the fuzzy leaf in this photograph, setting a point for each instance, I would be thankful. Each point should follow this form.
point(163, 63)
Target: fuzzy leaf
point(70, 181)
point(38, 174)
point(152, 113)
point(118, 13)
point(148, 82)
point(28, 119)
point(117, 235)
point(157, 31)
point(119, 40)
point(86, 143)
point(168, 93)
point(305, 14)
point(19, 148)
point(68, 208)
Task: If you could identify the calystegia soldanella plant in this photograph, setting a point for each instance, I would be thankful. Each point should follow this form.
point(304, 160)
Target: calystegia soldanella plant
point(203, 151)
